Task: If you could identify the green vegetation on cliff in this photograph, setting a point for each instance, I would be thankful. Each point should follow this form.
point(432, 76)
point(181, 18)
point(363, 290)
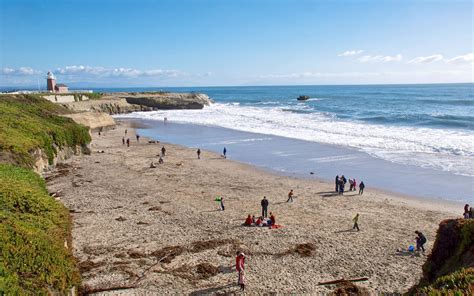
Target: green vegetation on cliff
point(33, 230)
point(449, 269)
point(29, 122)
point(33, 226)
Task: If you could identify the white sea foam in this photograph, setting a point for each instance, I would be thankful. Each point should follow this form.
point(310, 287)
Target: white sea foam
point(447, 150)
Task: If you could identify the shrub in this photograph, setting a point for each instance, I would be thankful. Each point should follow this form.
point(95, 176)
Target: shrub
point(30, 122)
point(33, 229)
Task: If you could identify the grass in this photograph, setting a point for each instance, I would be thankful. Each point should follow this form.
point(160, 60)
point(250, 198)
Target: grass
point(33, 226)
point(91, 96)
point(456, 283)
point(448, 270)
point(33, 229)
point(29, 122)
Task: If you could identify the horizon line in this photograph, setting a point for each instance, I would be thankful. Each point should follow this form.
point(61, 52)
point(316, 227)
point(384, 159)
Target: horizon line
point(32, 88)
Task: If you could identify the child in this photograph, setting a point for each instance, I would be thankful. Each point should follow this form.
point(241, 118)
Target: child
point(356, 219)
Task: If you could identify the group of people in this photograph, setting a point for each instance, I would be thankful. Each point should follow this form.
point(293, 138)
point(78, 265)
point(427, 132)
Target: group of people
point(127, 141)
point(260, 221)
point(468, 212)
point(341, 181)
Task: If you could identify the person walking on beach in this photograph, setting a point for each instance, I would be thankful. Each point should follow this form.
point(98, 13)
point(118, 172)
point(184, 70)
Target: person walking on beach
point(337, 183)
point(222, 204)
point(356, 220)
point(354, 182)
point(361, 188)
point(138, 137)
point(420, 241)
point(199, 153)
point(264, 204)
point(128, 142)
point(163, 151)
point(240, 266)
point(341, 187)
point(224, 153)
point(125, 131)
point(123, 140)
point(290, 196)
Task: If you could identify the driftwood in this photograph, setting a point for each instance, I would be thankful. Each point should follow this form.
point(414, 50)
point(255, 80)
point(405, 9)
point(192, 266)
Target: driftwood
point(86, 291)
point(343, 280)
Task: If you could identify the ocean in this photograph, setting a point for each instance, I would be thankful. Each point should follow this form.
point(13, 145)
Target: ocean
point(426, 130)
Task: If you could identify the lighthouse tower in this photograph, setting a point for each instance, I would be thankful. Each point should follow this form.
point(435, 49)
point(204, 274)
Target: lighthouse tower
point(51, 82)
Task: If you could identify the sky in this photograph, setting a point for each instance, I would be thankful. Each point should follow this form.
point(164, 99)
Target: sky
point(133, 43)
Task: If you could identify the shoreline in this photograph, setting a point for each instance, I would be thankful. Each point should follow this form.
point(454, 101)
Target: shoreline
point(126, 215)
point(297, 158)
point(454, 207)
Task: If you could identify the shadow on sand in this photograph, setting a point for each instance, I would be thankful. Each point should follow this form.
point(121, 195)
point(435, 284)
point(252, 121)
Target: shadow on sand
point(216, 290)
point(350, 230)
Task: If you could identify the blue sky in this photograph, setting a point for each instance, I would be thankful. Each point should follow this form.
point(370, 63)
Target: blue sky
point(246, 42)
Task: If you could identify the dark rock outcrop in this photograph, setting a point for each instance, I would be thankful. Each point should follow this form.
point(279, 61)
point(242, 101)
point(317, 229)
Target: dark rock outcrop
point(168, 101)
point(117, 103)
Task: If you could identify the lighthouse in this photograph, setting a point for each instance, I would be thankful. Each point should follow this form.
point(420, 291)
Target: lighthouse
point(51, 82)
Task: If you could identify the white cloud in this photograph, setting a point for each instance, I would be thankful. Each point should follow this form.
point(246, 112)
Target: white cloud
point(380, 58)
point(22, 71)
point(349, 53)
point(463, 59)
point(317, 75)
point(117, 72)
point(426, 60)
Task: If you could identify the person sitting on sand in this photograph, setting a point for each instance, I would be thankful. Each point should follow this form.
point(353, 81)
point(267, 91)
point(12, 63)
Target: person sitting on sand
point(272, 219)
point(152, 165)
point(420, 241)
point(160, 161)
point(253, 219)
point(248, 221)
point(259, 221)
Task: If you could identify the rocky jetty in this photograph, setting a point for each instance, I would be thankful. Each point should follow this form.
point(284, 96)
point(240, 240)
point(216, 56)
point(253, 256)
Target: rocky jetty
point(117, 103)
point(170, 100)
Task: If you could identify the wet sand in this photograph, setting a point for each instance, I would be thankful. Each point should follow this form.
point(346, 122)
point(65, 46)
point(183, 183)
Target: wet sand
point(159, 230)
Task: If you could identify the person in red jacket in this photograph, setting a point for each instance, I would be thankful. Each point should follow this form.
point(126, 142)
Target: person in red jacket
point(248, 221)
point(272, 218)
point(240, 266)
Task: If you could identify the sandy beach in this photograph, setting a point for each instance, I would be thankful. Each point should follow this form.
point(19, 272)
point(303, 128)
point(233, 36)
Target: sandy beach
point(159, 230)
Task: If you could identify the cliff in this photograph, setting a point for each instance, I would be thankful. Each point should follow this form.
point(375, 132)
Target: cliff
point(170, 100)
point(108, 105)
point(116, 103)
point(93, 120)
point(35, 229)
point(449, 269)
